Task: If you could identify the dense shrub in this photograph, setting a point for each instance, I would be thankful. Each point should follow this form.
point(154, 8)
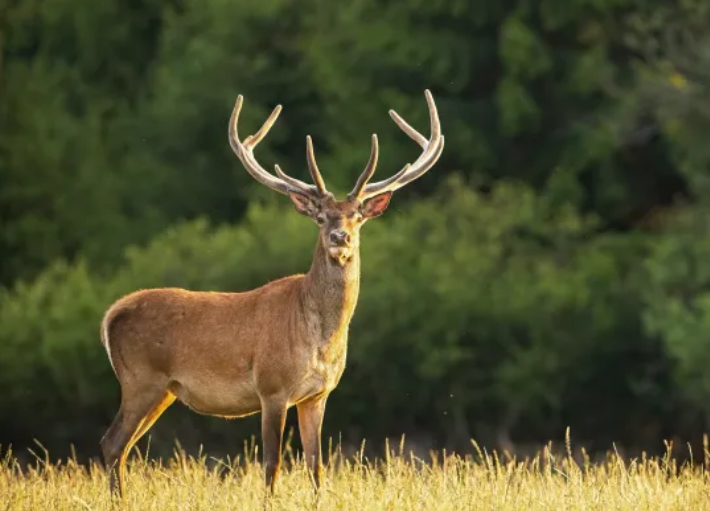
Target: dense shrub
point(677, 295)
point(501, 309)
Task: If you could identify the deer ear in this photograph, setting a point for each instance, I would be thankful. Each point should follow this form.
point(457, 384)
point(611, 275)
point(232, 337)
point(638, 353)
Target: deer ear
point(377, 205)
point(304, 204)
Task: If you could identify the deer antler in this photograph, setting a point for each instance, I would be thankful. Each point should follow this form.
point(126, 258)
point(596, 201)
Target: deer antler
point(245, 152)
point(432, 150)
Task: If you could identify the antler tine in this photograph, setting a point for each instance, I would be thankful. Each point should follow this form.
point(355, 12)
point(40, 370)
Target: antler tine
point(297, 183)
point(408, 177)
point(385, 183)
point(313, 167)
point(433, 148)
point(369, 169)
point(253, 140)
point(411, 132)
point(245, 152)
point(400, 179)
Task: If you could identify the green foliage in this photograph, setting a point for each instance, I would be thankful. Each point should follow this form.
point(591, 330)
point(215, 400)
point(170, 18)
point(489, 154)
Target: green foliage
point(531, 306)
point(513, 297)
point(471, 306)
point(113, 115)
point(62, 192)
point(670, 91)
point(679, 303)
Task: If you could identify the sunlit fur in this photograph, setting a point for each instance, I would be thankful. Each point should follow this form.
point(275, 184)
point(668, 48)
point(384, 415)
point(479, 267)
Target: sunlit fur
point(236, 354)
point(283, 344)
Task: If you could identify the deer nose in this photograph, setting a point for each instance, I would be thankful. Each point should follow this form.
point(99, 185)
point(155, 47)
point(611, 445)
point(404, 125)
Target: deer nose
point(340, 238)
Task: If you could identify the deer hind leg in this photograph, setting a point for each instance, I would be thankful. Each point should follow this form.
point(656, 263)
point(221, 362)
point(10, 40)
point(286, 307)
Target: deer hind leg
point(273, 419)
point(154, 415)
point(139, 410)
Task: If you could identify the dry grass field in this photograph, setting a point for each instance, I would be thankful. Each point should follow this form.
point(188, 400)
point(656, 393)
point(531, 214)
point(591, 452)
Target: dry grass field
point(546, 482)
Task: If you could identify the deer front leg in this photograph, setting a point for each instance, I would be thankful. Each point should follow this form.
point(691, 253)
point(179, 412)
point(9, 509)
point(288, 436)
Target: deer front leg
point(310, 420)
point(273, 418)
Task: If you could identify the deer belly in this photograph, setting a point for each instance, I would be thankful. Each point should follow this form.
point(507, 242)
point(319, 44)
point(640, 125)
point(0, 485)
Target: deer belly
point(220, 398)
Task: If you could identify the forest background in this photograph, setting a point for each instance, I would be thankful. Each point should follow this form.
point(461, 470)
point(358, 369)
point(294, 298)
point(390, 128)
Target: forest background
point(552, 270)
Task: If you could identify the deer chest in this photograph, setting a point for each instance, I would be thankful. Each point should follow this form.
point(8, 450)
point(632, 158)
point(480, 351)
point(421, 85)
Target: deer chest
point(326, 366)
point(330, 362)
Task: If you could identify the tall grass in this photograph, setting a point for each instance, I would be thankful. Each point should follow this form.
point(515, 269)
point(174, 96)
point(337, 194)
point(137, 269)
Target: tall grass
point(486, 481)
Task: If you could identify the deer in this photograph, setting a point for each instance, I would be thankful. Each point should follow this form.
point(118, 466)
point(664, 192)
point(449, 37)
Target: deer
point(265, 350)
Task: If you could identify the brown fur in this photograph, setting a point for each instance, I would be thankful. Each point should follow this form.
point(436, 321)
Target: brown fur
point(236, 354)
point(265, 350)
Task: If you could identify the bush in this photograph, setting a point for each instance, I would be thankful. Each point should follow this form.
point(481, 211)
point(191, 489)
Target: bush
point(480, 315)
point(678, 302)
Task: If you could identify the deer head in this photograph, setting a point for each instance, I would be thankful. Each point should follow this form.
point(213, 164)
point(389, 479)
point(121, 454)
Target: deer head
point(339, 220)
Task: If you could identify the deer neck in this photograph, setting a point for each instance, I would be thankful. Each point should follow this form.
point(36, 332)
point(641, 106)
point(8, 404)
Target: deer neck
point(331, 293)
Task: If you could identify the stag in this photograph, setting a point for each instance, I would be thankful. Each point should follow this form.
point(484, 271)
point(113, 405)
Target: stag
point(264, 350)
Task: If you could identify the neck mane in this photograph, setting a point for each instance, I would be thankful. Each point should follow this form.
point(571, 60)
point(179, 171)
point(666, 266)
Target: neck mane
point(331, 292)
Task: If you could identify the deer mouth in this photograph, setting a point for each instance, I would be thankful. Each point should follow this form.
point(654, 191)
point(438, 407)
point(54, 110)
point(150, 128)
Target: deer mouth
point(341, 254)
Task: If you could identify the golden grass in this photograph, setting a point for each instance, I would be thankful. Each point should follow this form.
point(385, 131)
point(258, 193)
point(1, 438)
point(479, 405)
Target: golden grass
point(446, 482)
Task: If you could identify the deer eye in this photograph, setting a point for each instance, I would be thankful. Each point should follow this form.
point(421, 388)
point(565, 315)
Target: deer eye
point(320, 220)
